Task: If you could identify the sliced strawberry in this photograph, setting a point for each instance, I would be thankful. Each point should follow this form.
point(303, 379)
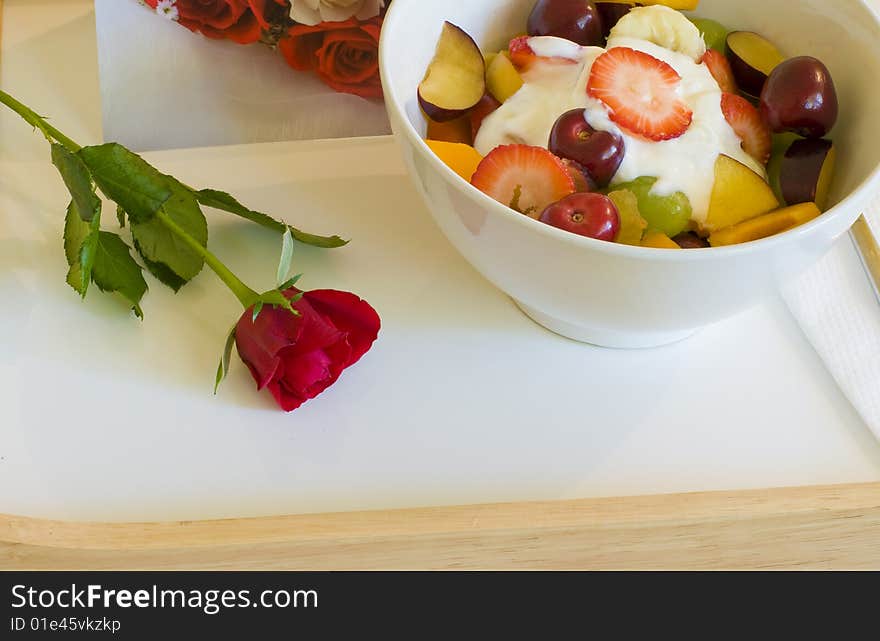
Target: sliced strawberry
point(527, 179)
point(478, 113)
point(720, 69)
point(523, 57)
point(521, 53)
point(640, 93)
point(746, 121)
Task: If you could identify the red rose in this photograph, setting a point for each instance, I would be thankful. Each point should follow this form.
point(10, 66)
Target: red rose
point(269, 12)
point(240, 20)
point(344, 54)
point(298, 357)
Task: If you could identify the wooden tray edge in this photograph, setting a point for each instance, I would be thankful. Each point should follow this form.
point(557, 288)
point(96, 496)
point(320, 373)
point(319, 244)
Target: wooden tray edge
point(818, 527)
point(809, 527)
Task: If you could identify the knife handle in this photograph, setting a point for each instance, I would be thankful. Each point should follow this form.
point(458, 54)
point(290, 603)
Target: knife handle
point(868, 249)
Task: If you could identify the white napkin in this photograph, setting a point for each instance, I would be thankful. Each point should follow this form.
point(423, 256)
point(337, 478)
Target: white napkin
point(839, 312)
point(163, 87)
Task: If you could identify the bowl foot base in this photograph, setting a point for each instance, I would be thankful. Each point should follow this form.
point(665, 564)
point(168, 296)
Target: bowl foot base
point(603, 337)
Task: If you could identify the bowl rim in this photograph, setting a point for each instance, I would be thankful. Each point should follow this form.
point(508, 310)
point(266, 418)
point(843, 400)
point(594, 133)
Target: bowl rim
point(853, 201)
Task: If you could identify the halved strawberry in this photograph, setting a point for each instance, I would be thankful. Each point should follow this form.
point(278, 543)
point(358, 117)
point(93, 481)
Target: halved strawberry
point(527, 179)
point(523, 56)
point(746, 121)
point(640, 93)
point(521, 53)
point(720, 69)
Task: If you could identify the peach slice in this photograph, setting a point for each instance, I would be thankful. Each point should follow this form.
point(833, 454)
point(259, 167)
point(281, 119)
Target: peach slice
point(738, 194)
point(659, 240)
point(462, 159)
point(767, 225)
point(678, 5)
point(456, 77)
point(502, 78)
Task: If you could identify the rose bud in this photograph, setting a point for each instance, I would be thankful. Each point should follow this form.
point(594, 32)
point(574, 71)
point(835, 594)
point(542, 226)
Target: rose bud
point(298, 357)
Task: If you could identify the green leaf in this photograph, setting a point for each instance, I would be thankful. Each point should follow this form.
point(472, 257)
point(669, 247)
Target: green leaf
point(78, 180)
point(80, 244)
point(225, 360)
point(75, 232)
point(120, 216)
point(161, 272)
point(295, 299)
point(290, 283)
point(115, 270)
point(258, 307)
point(100, 257)
point(276, 299)
point(224, 202)
point(127, 179)
point(168, 257)
point(286, 257)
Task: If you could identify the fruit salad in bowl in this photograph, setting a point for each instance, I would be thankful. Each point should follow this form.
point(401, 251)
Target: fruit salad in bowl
point(561, 144)
point(627, 124)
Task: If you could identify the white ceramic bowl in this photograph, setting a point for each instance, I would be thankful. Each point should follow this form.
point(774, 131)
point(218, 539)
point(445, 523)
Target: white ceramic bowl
point(620, 296)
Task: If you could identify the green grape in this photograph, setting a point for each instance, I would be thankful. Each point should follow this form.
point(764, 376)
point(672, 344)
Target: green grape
point(669, 214)
point(714, 34)
point(632, 225)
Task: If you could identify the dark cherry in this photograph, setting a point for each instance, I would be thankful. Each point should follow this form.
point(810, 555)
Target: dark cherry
point(583, 181)
point(599, 152)
point(587, 214)
point(689, 240)
point(576, 20)
point(611, 12)
point(799, 96)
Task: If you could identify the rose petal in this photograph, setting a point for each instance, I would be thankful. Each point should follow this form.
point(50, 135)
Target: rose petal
point(299, 48)
point(286, 401)
point(246, 31)
point(259, 342)
point(350, 314)
point(304, 371)
point(316, 330)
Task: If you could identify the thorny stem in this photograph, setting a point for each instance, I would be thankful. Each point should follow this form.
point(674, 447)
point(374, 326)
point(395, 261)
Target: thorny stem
point(35, 120)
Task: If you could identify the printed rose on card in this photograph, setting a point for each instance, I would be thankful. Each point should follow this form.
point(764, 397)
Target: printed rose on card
point(338, 40)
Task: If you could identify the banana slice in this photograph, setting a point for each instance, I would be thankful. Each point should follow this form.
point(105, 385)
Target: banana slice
point(664, 27)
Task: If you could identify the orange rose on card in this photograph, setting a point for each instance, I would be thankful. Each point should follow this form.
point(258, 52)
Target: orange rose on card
point(345, 55)
point(336, 39)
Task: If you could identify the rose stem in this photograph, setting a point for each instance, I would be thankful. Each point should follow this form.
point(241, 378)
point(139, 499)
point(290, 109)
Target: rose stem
point(245, 294)
point(36, 121)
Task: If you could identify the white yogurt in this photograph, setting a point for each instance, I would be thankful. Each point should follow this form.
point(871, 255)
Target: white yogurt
point(685, 164)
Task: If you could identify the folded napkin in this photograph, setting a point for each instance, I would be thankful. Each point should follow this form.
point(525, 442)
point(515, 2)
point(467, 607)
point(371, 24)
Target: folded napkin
point(838, 310)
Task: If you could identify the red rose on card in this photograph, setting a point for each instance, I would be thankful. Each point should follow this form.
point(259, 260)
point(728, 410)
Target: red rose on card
point(242, 21)
point(345, 55)
point(298, 357)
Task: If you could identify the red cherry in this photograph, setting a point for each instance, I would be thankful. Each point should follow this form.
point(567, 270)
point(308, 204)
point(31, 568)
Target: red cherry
point(599, 152)
point(800, 96)
point(587, 214)
point(576, 20)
